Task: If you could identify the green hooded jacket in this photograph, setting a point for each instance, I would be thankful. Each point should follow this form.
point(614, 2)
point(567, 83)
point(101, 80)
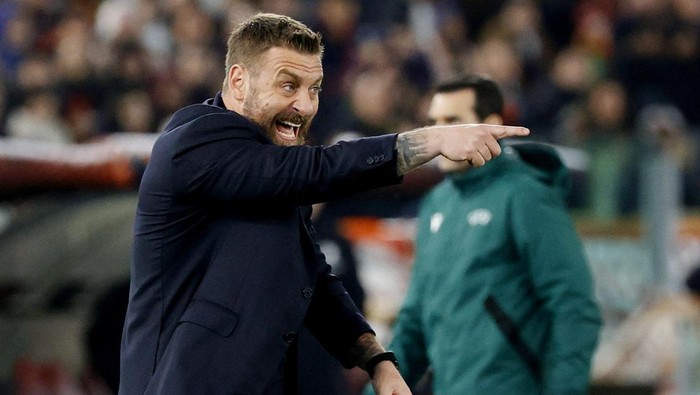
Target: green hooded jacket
point(501, 299)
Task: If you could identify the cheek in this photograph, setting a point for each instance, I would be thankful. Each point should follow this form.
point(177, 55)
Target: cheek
point(263, 104)
point(277, 105)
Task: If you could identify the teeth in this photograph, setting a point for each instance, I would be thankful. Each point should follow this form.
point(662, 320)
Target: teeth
point(293, 125)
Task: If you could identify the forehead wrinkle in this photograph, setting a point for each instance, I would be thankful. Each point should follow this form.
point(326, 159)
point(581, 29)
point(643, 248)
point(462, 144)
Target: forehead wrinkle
point(293, 63)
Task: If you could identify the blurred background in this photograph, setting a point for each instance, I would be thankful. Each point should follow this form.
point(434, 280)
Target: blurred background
point(85, 86)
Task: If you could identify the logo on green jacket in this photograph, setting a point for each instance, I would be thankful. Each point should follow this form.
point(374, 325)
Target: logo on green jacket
point(435, 222)
point(480, 216)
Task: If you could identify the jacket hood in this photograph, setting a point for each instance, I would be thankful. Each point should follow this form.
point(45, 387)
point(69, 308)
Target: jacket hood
point(540, 160)
point(544, 162)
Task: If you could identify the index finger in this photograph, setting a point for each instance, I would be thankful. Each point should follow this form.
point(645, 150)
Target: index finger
point(502, 131)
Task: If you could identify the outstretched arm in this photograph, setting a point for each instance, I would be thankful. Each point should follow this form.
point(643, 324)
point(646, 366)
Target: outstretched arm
point(476, 143)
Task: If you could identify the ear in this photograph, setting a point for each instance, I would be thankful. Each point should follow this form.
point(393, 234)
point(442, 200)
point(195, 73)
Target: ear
point(493, 119)
point(237, 81)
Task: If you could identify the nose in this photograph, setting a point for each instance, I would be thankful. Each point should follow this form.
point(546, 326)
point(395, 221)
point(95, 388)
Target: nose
point(304, 104)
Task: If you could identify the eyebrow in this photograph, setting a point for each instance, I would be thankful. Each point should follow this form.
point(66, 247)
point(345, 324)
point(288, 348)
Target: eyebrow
point(295, 76)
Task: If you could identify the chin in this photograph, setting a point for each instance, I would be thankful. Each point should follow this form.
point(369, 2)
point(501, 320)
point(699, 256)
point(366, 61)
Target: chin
point(287, 143)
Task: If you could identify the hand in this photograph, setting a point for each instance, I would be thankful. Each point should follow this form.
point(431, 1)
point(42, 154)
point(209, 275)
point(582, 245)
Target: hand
point(388, 381)
point(475, 143)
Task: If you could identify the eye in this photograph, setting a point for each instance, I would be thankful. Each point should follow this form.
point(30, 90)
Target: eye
point(289, 88)
point(316, 89)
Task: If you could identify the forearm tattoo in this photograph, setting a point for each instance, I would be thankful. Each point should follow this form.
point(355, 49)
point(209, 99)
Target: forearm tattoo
point(413, 150)
point(365, 348)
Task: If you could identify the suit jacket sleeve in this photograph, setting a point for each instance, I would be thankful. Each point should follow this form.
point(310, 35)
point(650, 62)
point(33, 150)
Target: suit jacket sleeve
point(237, 164)
point(333, 318)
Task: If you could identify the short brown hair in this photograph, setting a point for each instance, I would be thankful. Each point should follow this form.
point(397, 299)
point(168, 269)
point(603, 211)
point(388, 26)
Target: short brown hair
point(489, 99)
point(263, 31)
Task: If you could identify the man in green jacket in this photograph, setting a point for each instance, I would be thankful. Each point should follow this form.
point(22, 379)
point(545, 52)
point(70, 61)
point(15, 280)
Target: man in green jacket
point(500, 300)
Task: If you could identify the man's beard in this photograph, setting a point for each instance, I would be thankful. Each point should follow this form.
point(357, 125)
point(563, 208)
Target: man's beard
point(251, 110)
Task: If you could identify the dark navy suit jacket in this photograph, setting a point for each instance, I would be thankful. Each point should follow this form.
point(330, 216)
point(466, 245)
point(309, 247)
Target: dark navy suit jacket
point(225, 270)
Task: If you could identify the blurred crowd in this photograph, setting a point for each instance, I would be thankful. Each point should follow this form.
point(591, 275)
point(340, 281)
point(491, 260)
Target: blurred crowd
point(611, 78)
point(615, 82)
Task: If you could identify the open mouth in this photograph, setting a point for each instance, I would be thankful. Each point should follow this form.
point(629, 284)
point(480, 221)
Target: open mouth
point(287, 130)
